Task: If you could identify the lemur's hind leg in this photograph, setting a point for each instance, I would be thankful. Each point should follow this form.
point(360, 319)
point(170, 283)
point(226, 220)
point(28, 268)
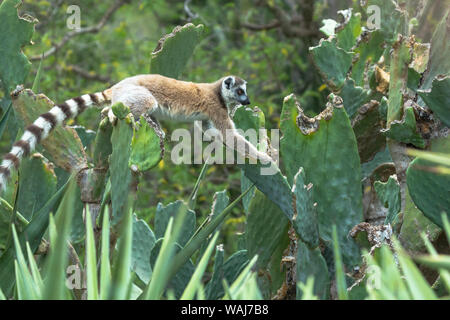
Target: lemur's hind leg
point(141, 103)
point(137, 98)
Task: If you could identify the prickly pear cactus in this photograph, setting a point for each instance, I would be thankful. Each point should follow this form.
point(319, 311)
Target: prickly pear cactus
point(225, 271)
point(14, 65)
point(266, 226)
point(325, 147)
point(146, 148)
point(174, 50)
point(273, 185)
point(63, 147)
point(174, 209)
point(405, 130)
point(37, 185)
point(119, 169)
point(143, 242)
point(430, 188)
point(437, 98)
point(305, 217)
point(389, 195)
point(333, 62)
point(310, 263)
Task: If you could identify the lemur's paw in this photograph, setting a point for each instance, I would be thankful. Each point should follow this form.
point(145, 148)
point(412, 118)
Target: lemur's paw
point(107, 112)
point(265, 158)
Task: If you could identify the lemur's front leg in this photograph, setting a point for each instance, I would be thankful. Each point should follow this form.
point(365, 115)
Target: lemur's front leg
point(233, 140)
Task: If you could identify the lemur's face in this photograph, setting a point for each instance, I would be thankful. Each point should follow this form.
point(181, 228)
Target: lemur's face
point(234, 91)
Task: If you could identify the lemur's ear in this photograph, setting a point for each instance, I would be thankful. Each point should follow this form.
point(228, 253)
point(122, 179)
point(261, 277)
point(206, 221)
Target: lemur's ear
point(229, 82)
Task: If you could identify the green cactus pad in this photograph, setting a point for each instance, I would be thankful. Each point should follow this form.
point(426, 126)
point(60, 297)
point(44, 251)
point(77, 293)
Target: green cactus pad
point(413, 224)
point(439, 63)
point(266, 225)
point(332, 62)
point(369, 49)
point(102, 144)
point(392, 18)
point(227, 271)
point(273, 185)
point(389, 195)
point(180, 280)
point(354, 97)
point(15, 32)
point(173, 209)
point(247, 118)
point(367, 125)
point(63, 147)
point(245, 184)
point(37, 185)
point(310, 263)
point(86, 136)
point(145, 147)
point(305, 219)
point(405, 130)
point(214, 287)
point(398, 75)
point(438, 98)
point(325, 147)
point(174, 50)
point(119, 170)
point(348, 31)
point(143, 243)
point(120, 110)
point(430, 189)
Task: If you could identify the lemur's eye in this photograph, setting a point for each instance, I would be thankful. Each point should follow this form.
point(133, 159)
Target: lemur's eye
point(240, 92)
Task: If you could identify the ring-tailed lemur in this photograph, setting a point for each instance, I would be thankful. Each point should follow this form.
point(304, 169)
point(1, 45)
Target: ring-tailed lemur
point(155, 95)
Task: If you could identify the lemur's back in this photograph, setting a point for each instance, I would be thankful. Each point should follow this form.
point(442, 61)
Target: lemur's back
point(174, 94)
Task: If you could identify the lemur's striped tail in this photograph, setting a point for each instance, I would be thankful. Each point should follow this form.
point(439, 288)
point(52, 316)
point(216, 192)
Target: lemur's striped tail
point(43, 125)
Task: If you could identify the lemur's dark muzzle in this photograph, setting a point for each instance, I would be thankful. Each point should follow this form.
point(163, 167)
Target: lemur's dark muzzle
point(246, 102)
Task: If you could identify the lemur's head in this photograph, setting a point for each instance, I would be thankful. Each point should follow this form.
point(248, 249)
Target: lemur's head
point(234, 91)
